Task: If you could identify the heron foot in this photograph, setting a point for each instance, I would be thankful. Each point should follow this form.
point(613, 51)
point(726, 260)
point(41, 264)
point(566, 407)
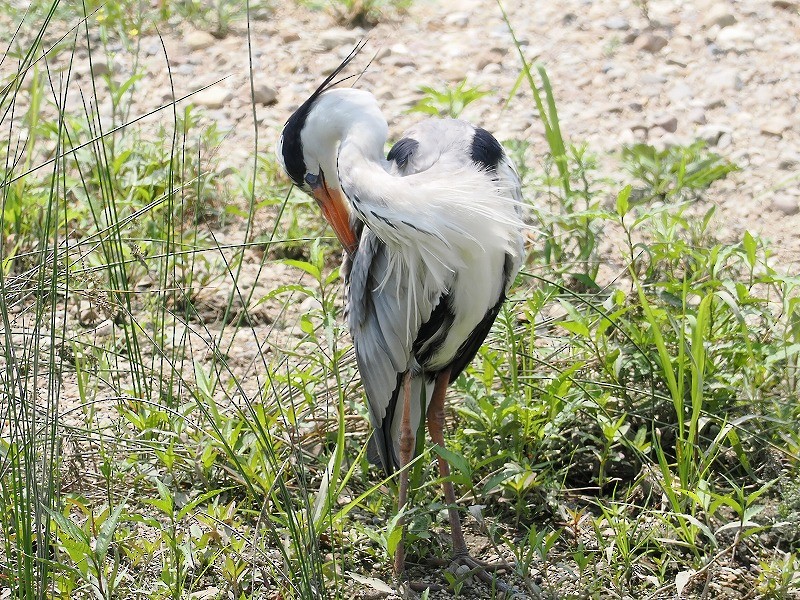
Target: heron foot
point(470, 562)
point(464, 566)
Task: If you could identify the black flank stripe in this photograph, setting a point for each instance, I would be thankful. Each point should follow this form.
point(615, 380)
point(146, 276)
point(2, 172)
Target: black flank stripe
point(434, 330)
point(507, 266)
point(472, 344)
point(384, 441)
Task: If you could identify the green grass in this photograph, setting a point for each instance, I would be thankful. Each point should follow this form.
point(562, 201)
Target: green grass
point(169, 427)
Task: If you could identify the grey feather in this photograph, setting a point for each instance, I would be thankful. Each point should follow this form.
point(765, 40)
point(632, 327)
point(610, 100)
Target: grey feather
point(435, 138)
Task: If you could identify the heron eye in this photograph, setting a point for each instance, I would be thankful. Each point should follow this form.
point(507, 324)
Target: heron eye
point(312, 180)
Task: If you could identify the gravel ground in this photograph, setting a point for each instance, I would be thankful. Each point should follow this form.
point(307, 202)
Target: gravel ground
point(724, 71)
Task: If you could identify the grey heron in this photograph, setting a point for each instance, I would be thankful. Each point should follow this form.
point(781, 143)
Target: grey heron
point(433, 239)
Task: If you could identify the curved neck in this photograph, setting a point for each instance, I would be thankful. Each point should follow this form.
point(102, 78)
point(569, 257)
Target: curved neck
point(347, 122)
point(367, 138)
point(360, 154)
point(360, 150)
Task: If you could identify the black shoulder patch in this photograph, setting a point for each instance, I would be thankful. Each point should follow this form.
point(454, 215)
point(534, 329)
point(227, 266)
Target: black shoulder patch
point(402, 151)
point(485, 150)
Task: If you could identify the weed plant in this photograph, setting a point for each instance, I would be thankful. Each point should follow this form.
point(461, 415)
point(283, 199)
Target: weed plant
point(360, 13)
point(448, 102)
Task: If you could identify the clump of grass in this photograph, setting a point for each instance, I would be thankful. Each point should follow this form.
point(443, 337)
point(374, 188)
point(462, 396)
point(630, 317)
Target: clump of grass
point(448, 102)
point(117, 222)
point(361, 13)
point(674, 174)
point(366, 13)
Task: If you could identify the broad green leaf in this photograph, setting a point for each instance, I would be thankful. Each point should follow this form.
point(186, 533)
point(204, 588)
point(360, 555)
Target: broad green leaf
point(186, 509)
point(106, 533)
point(749, 244)
point(456, 461)
point(69, 527)
point(575, 327)
point(393, 540)
point(312, 270)
point(622, 200)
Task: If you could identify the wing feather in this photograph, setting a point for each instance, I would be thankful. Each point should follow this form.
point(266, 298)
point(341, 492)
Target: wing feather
point(378, 324)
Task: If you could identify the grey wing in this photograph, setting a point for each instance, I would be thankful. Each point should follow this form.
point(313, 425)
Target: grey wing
point(383, 318)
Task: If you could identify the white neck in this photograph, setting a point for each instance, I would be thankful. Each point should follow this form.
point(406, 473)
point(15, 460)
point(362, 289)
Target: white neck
point(345, 120)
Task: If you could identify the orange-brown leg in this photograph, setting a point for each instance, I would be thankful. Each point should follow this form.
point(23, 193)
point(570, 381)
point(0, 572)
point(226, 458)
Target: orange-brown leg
point(435, 418)
point(406, 451)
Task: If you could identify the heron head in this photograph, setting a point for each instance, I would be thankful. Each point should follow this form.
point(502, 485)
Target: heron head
point(308, 146)
point(307, 151)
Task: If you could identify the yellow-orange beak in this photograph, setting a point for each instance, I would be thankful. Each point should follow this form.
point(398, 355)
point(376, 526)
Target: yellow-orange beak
point(334, 209)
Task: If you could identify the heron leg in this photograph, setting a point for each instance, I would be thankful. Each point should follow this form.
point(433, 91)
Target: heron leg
point(406, 450)
point(435, 418)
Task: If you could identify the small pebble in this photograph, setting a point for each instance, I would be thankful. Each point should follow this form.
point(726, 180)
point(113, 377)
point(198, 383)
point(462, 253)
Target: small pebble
point(712, 133)
point(100, 66)
point(264, 94)
point(213, 97)
point(724, 79)
point(788, 205)
point(720, 15)
point(650, 42)
point(199, 40)
point(789, 162)
point(739, 38)
point(457, 19)
point(339, 36)
point(775, 127)
point(667, 123)
point(697, 115)
point(617, 23)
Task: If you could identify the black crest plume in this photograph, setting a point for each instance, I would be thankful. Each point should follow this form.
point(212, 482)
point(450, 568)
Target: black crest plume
point(292, 145)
